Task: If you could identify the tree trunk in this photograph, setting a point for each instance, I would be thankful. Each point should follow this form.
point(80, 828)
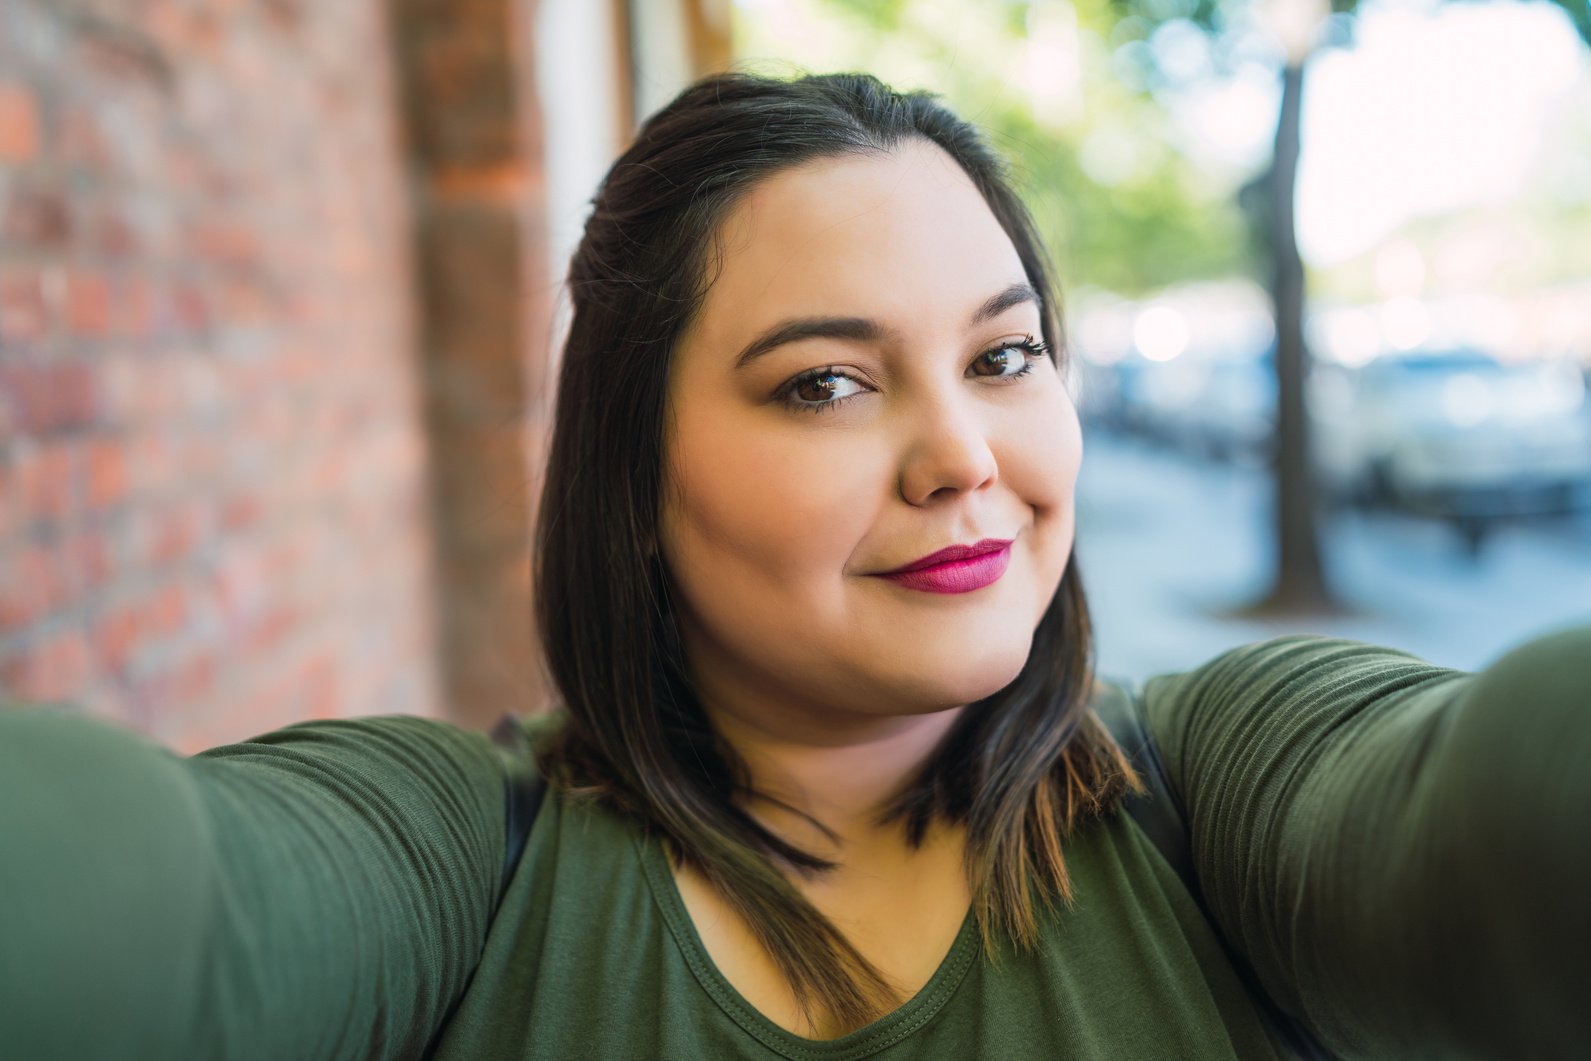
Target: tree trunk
point(1300, 584)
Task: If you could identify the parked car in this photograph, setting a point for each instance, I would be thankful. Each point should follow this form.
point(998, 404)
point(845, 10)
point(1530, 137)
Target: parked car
point(1457, 432)
point(1221, 405)
point(1232, 411)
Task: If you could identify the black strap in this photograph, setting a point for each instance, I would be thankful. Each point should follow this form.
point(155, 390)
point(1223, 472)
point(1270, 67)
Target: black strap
point(523, 789)
point(1158, 812)
point(1163, 818)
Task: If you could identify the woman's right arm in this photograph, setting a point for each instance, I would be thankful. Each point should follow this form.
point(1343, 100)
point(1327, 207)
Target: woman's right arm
point(1399, 849)
point(321, 891)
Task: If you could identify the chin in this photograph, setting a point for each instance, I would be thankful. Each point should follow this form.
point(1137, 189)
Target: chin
point(940, 682)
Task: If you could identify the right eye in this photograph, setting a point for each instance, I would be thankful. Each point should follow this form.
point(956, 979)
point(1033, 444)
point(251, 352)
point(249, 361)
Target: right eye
point(820, 389)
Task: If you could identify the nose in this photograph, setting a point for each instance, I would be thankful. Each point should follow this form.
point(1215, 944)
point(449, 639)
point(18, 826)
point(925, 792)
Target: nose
point(948, 452)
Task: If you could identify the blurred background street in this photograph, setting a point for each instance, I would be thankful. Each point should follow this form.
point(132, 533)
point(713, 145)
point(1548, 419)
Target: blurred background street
point(1172, 546)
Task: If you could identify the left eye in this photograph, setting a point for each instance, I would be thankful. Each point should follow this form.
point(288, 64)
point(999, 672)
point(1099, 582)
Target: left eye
point(1008, 360)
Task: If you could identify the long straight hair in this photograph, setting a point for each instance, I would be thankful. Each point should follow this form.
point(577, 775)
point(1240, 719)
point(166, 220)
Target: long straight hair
point(1020, 769)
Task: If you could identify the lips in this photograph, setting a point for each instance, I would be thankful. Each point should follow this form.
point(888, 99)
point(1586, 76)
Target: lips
point(954, 552)
point(958, 569)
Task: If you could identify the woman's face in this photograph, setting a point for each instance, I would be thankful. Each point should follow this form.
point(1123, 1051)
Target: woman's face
point(903, 414)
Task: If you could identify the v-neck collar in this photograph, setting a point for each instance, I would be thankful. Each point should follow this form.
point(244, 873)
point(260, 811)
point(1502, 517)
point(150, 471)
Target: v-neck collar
point(889, 1029)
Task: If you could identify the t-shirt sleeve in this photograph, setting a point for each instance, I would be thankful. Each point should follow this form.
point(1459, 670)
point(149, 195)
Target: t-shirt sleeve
point(1402, 851)
point(321, 891)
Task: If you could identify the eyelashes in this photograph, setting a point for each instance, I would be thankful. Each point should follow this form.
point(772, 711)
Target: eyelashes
point(833, 378)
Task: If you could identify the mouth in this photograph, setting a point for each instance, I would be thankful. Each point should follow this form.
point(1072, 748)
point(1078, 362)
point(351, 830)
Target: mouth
point(954, 552)
point(958, 569)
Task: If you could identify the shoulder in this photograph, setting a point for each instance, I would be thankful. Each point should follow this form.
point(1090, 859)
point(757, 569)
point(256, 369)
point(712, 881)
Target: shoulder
point(1290, 669)
point(373, 757)
point(1306, 690)
point(1280, 661)
point(1282, 693)
point(371, 736)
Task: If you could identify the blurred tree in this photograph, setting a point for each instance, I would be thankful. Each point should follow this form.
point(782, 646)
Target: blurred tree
point(1296, 29)
point(1119, 207)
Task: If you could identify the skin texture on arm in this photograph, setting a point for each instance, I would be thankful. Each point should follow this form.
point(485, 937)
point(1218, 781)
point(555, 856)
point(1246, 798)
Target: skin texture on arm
point(1399, 849)
point(321, 891)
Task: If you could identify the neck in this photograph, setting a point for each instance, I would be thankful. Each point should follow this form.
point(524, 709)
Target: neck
point(843, 774)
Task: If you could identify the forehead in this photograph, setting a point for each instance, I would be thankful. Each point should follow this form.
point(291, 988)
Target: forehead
point(903, 237)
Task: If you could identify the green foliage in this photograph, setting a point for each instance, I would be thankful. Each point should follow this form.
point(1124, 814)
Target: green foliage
point(883, 15)
point(1156, 223)
point(1142, 234)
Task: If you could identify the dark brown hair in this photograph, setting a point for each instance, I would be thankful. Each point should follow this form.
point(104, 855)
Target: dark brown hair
point(1021, 768)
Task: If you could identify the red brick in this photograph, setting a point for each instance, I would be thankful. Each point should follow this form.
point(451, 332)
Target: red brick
point(113, 235)
point(107, 473)
point(188, 309)
point(238, 587)
point(37, 217)
point(133, 308)
point(116, 636)
point(202, 297)
point(167, 610)
point(46, 479)
point(88, 554)
point(152, 472)
point(196, 678)
point(80, 142)
point(243, 303)
point(123, 379)
point(124, 632)
point(19, 123)
point(55, 668)
point(321, 687)
point(241, 510)
point(76, 394)
point(202, 32)
point(88, 304)
point(270, 629)
point(223, 243)
point(32, 586)
point(50, 396)
point(182, 169)
point(12, 517)
point(24, 310)
point(201, 456)
point(284, 16)
point(175, 532)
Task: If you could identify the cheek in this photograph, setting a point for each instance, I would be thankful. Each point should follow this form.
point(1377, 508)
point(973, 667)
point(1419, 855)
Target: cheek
point(759, 510)
point(1042, 456)
point(1041, 461)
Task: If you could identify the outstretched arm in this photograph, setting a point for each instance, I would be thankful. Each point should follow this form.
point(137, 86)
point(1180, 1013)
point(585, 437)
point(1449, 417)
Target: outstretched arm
point(1402, 851)
point(322, 891)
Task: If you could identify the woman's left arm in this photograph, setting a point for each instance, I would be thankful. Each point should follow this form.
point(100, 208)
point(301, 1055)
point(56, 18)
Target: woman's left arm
point(1402, 851)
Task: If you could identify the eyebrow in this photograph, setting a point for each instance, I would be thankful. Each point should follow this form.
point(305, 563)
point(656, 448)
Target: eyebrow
point(863, 329)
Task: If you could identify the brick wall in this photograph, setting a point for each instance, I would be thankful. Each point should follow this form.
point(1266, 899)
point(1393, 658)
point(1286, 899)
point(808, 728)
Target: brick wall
point(474, 138)
point(213, 461)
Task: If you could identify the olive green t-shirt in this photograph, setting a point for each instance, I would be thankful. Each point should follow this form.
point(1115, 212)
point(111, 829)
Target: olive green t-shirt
point(1403, 852)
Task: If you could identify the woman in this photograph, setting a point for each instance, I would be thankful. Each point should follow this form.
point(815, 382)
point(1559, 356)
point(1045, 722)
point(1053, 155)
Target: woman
point(824, 781)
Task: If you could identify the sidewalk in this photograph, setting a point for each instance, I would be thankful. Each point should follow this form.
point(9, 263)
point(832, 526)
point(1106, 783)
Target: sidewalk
point(1166, 544)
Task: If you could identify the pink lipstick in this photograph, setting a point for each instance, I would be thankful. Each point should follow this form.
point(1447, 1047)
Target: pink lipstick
point(958, 569)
